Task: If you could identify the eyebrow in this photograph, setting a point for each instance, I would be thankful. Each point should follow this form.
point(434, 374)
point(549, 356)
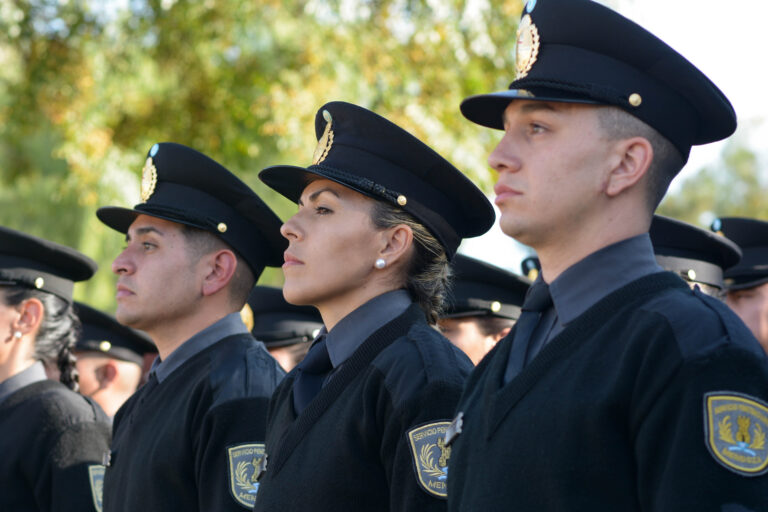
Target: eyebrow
point(533, 106)
point(144, 231)
point(313, 196)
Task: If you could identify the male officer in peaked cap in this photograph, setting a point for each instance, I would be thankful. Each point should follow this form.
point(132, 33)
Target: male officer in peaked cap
point(191, 438)
point(285, 329)
point(620, 387)
point(482, 307)
point(697, 255)
point(110, 357)
point(747, 282)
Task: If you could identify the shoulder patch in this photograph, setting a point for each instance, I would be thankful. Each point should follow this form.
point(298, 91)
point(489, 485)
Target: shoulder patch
point(244, 461)
point(430, 457)
point(96, 478)
point(735, 426)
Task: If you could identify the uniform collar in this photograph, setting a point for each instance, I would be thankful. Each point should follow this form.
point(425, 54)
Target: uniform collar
point(34, 373)
point(583, 284)
point(347, 335)
point(228, 326)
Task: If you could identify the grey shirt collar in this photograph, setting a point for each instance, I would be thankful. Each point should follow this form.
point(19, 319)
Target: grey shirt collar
point(347, 335)
point(34, 373)
point(228, 326)
point(585, 283)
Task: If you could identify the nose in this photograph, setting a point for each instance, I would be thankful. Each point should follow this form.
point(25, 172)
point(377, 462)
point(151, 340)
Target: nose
point(123, 264)
point(290, 229)
point(504, 157)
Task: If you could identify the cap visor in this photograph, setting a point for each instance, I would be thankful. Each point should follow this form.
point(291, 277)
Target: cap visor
point(117, 218)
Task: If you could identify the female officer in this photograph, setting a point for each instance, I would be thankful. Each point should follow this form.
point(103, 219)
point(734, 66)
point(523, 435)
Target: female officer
point(52, 439)
point(360, 422)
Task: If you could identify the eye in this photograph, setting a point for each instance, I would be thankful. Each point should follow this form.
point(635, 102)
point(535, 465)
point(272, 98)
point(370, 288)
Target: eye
point(536, 128)
point(147, 246)
point(322, 210)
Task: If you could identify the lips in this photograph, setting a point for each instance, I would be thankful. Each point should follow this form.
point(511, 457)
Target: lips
point(504, 192)
point(291, 260)
point(123, 291)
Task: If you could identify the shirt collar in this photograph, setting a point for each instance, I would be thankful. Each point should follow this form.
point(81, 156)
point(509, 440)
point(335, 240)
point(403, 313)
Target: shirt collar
point(228, 326)
point(34, 373)
point(347, 335)
point(585, 283)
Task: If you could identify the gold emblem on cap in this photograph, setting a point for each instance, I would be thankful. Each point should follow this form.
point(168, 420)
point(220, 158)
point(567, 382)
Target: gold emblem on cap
point(527, 46)
point(39, 282)
point(246, 315)
point(104, 346)
point(148, 179)
point(635, 99)
point(222, 227)
point(401, 200)
point(326, 140)
point(533, 274)
point(495, 306)
point(691, 274)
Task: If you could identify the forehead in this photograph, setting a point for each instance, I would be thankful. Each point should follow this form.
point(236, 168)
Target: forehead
point(558, 108)
point(145, 222)
point(316, 186)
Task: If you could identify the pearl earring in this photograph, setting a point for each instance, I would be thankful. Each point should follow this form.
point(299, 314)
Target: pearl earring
point(380, 263)
point(17, 335)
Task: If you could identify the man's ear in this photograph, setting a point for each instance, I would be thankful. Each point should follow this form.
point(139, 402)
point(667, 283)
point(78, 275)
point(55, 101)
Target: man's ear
point(220, 268)
point(397, 241)
point(106, 374)
point(501, 334)
point(634, 157)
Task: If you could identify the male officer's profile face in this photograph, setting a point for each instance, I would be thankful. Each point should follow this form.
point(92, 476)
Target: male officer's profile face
point(551, 165)
point(157, 280)
point(751, 305)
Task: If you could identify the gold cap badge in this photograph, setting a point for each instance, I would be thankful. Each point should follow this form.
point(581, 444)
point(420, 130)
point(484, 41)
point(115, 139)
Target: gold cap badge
point(246, 315)
point(148, 179)
point(325, 142)
point(527, 46)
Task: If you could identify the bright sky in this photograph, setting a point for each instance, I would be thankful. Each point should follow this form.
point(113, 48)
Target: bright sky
point(728, 41)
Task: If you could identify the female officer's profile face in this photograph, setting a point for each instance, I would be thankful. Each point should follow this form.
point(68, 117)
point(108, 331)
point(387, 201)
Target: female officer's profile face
point(333, 246)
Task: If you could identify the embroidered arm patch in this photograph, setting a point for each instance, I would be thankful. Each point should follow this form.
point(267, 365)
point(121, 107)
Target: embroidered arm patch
point(430, 457)
point(735, 426)
point(244, 462)
point(96, 477)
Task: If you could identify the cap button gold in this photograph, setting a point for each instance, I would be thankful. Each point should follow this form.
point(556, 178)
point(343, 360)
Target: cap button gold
point(635, 99)
point(401, 200)
point(104, 346)
point(495, 306)
point(222, 227)
point(691, 274)
point(39, 282)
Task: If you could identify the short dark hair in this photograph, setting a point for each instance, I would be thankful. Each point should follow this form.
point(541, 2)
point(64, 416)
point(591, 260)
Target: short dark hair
point(202, 242)
point(667, 161)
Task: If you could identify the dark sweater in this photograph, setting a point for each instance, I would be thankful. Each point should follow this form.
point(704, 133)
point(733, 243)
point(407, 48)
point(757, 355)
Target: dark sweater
point(171, 440)
point(612, 414)
point(49, 436)
point(350, 448)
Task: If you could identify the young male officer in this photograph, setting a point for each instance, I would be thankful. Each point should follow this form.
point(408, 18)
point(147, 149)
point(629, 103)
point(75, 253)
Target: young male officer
point(747, 282)
point(192, 437)
point(619, 388)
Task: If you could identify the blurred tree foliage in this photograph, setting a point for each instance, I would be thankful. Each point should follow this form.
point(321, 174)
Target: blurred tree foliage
point(86, 87)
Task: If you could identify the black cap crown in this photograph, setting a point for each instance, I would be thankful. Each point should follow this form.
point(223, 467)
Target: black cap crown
point(105, 335)
point(481, 289)
point(694, 253)
point(277, 323)
point(185, 186)
point(579, 51)
point(367, 153)
point(26, 260)
point(751, 235)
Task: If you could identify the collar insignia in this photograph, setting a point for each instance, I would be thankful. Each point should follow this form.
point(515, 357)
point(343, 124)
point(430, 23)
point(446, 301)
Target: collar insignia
point(244, 461)
point(430, 457)
point(527, 46)
point(325, 142)
point(148, 179)
point(735, 428)
point(96, 478)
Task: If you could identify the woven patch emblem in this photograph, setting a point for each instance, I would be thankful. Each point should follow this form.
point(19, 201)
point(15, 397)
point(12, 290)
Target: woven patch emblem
point(736, 427)
point(96, 477)
point(244, 461)
point(430, 456)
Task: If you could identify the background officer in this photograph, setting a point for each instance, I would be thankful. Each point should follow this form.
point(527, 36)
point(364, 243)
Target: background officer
point(191, 438)
point(286, 330)
point(482, 306)
point(697, 255)
point(109, 358)
point(619, 387)
point(747, 281)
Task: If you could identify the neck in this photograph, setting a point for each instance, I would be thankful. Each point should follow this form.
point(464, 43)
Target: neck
point(171, 335)
point(16, 360)
point(335, 309)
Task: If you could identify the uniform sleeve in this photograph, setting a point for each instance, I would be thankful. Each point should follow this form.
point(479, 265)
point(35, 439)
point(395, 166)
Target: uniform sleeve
point(231, 445)
point(415, 459)
point(701, 445)
point(75, 472)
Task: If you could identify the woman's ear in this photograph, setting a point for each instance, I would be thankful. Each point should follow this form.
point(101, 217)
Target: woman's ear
point(31, 312)
point(634, 157)
point(397, 243)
